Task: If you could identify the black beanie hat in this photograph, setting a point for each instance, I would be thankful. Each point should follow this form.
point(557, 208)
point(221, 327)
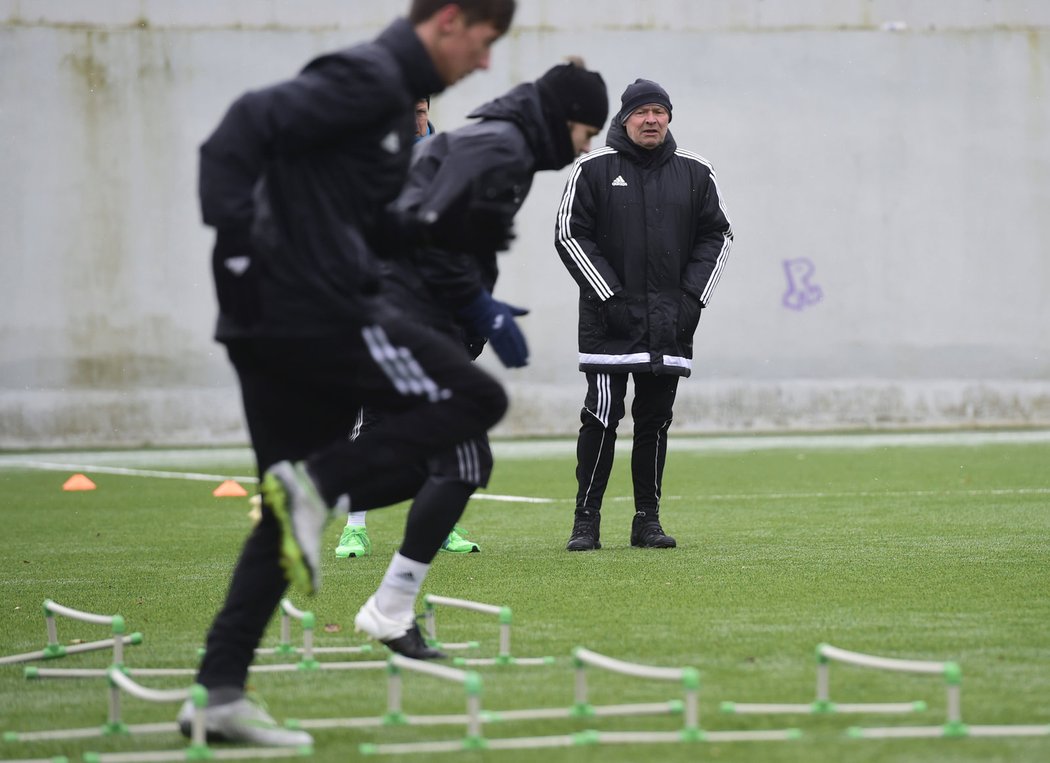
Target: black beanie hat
point(580, 93)
point(641, 92)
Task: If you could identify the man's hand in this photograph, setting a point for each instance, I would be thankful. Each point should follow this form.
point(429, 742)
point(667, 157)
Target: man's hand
point(495, 320)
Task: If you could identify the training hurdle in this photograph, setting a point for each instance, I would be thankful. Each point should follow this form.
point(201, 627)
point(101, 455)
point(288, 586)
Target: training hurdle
point(689, 678)
point(475, 717)
point(308, 651)
point(950, 671)
point(288, 612)
point(826, 654)
point(54, 649)
point(120, 683)
point(504, 657)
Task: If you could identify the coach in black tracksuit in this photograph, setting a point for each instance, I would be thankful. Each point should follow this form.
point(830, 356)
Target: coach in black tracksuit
point(295, 180)
point(536, 126)
point(644, 232)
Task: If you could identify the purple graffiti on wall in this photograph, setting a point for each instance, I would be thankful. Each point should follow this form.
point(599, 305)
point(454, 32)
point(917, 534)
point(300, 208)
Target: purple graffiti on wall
point(801, 293)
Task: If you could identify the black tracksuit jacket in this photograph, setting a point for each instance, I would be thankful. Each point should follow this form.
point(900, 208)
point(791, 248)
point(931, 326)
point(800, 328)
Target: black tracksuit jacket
point(295, 178)
point(645, 235)
point(519, 133)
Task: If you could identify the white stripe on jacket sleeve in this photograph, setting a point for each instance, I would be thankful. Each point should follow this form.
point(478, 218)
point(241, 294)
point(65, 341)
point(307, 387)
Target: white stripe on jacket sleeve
point(570, 244)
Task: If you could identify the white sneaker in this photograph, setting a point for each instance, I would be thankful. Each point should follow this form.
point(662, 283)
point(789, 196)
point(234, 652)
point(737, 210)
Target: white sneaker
point(302, 515)
point(401, 637)
point(242, 721)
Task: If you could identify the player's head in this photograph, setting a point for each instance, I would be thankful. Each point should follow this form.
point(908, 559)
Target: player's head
point(582, 98)
point(645, 112)
point(459, 35)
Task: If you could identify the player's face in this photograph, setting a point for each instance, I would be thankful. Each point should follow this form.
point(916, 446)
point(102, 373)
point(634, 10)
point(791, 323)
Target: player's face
point(647, 125)
point(463, 48)
point(422, 117)
point(582, 135)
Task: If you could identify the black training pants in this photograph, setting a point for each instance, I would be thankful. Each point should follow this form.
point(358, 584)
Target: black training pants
point(602, 410)
point(301, 396)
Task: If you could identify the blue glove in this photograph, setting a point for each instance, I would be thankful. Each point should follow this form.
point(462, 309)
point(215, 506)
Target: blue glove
point(495, 321)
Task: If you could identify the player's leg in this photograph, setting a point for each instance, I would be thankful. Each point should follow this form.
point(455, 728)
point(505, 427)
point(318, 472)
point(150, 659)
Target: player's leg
point(602, 410)
point(652, 413)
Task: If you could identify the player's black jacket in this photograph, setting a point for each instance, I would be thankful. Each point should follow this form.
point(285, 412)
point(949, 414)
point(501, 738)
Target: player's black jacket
point(295, 177)
point(519, 133)
point(646, 236)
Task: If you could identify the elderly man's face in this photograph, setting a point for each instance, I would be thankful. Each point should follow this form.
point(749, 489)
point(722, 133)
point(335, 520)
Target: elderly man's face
point(647, 125)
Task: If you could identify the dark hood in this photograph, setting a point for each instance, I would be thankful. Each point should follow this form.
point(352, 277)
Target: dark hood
point(643, 157)
point(546, 132)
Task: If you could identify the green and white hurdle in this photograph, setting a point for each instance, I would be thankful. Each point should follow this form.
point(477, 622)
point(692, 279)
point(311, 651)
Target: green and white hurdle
point(396, 716)
point(114, 725)
point(953, 725)
point(198, 748)
point(823, 704)
point(950, 671)
point(472, 685)
point(503, 613)
point(475, 717)
point(120, 683)
point(308, 651)
point(54, 649)
point(689, 678)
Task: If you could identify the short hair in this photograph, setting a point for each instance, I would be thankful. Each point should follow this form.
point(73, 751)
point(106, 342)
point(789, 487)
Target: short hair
point(499, 12)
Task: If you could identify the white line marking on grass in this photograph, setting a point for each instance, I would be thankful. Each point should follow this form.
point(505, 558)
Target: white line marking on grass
point(97, 462)
point(57, 467)
point(124, 472)
point(857, 494)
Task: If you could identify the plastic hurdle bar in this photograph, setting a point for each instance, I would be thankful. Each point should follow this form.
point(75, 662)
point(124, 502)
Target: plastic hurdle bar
point(114, 725)
point(471, 683)
point(826, 654)
point(54, 649)
point(504, 657)
point(308, 650)
point(198, 749)
point(953, 726)
point(690, 680)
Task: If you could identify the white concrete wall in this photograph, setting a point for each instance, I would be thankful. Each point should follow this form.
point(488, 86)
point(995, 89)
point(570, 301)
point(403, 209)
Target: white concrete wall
point(894, 157)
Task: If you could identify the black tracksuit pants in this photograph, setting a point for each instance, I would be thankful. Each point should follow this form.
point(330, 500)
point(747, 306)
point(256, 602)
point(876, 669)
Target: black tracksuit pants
point(602, 411)
point(301, 396)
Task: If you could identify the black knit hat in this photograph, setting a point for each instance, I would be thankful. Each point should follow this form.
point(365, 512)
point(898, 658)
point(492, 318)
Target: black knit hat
point(641, 92)
point(580, 93)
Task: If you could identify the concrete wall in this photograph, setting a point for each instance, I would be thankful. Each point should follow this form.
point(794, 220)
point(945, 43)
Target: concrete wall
point(886, 166)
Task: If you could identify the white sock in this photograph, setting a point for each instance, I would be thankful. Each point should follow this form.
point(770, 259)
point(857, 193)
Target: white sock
point(356, 519)
point(396, 597)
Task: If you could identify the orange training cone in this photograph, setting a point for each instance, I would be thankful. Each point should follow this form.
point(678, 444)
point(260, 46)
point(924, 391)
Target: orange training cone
point(78, 482)
point(229, 489)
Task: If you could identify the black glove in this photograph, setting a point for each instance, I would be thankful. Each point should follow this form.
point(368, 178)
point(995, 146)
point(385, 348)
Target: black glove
point(495, 320)
point(617, 317)
point(235, 268)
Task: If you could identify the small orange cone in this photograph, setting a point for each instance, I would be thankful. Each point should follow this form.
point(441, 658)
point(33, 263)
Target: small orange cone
point(78, 482)
point(229, 489)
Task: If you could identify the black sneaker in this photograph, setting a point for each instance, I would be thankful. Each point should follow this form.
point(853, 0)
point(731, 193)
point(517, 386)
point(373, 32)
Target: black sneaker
point(413, 645)
point(646, 532)
point(586, 529)
point(400, 636)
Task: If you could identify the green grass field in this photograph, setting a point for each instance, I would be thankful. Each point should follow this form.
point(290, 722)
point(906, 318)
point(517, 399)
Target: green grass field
point(938, 552)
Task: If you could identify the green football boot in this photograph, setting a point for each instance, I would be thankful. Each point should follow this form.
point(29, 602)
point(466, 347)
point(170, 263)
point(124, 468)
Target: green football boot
point(354, 542)
point(458, 544)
